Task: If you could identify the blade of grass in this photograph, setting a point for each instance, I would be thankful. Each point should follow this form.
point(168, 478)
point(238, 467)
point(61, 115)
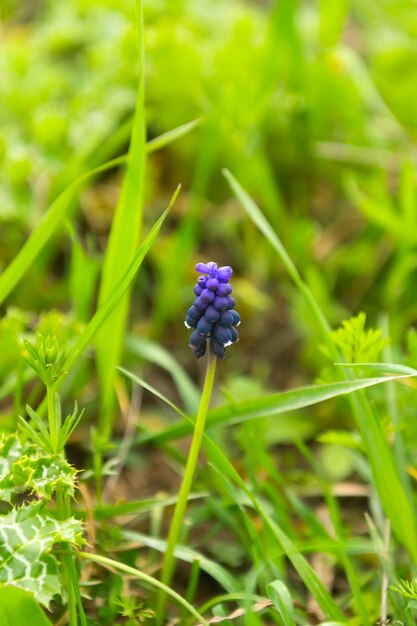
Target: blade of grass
point(171, 135)
point(152, 389)
point(154, 353)
point(123, 239)
point(132, 571)
point(274, 404)
point(385, 473)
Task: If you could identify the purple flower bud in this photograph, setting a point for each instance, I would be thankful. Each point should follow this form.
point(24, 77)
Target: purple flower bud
point(190, 322)
point(236, 318)
point(234, 333)
point(212, 283)
point(230, 302)
point(224, 289)
point(207, 296)
point(198, 344)
point(224, 273)
point(194, 313)
point(220, 303)
point(218, 349)
point(226, 318)
point(204, 327)
point(201, 281)
point(211, 314)
point(222, 334)
point(198, 290)
point(206, 268)
point(199, 303)
point(199, 351)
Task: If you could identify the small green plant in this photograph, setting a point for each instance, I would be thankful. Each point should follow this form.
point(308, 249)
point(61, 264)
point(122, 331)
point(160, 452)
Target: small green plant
point(134, 610)
point(406, 588)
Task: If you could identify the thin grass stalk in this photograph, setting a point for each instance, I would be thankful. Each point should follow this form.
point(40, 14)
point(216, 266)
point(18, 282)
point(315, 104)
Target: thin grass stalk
point(180, 508)
point(132, 571)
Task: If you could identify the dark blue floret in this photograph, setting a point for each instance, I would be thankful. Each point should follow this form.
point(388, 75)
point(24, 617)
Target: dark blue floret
point(199, 303)
point(226, 318)
point(230, 302)
point(207, 296)
point(212, 314)
point(198, 344)
point(204, 327)
point(220, 303)
point(234, 333)
point(224, 289)
point(190, 322)
point(218, 349)
point(222, 334)
point(236, 318)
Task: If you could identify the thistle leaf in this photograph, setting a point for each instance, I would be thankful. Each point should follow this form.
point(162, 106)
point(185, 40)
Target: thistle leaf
point(43, 473)
point(10, 451)
point(27, 536)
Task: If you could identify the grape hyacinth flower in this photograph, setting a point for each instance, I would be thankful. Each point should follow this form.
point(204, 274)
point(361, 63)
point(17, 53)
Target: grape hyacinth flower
point(212, 314)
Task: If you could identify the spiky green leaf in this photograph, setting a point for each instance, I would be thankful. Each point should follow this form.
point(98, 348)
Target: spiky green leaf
point(27, 536)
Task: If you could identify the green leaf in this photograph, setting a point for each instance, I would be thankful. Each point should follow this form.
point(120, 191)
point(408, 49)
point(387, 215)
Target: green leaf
point(275, 404)
point(123, 240)
point(25, 468)
point(28, 535)
point(10, 451)
point(280, 596)
point(43, 474)
point(171, 135)
point(383, 368)
point(18, 608)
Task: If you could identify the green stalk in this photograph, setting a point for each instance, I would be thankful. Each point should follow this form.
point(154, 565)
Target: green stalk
point(53, 431)
point(62, 508)
point(132, 571)
point(177, 520)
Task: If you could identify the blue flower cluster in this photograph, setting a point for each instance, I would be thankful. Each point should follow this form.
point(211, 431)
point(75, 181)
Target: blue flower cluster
point(212, 314)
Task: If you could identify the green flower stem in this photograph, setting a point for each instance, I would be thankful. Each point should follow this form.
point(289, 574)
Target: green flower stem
point(177, 520)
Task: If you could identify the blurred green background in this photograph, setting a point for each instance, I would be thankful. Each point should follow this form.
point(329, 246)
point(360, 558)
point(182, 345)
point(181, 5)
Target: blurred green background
point(309, 104)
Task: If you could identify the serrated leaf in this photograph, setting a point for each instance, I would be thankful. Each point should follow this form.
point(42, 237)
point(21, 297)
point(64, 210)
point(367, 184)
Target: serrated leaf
point(28, 535)
point(24, 468)
point(10, 451)
point(42, 474)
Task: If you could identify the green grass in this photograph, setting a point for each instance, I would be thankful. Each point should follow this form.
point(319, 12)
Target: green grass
point(288, 497)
